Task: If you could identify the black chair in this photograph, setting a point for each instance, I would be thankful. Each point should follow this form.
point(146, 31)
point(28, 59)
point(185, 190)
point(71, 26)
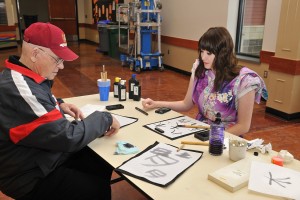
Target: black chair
point(30, 19)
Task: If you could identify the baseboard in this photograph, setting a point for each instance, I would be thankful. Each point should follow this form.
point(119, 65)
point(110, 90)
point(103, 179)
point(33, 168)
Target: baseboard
point(88, 41)
point(283, 115)
point(8, 47)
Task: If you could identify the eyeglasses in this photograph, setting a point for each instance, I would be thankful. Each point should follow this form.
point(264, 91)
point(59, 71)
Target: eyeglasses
point(58, 61)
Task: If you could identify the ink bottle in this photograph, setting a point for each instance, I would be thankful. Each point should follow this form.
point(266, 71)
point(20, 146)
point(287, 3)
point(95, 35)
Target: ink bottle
point(137, 91)
point(216, 136)
point(116, 87)
point(122, 91)
point(132, 82)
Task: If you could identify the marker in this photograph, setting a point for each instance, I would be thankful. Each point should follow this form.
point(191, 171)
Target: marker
point(194, 126)
point(142, 111)
point(159, 130)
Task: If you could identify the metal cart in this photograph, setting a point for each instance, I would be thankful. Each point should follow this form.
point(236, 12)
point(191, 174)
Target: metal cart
point(142, 20)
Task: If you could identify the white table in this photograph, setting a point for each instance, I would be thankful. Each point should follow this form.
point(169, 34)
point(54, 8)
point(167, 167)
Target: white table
point(193, 183)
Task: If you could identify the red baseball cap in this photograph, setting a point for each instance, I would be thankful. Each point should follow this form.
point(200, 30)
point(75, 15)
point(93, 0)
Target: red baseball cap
point(49, 36)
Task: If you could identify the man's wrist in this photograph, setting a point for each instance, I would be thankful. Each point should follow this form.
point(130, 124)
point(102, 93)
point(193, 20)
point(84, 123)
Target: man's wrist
point(60, 101)
point(109, 118)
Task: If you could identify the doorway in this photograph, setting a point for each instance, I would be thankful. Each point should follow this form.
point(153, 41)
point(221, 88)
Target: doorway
point(60, 13)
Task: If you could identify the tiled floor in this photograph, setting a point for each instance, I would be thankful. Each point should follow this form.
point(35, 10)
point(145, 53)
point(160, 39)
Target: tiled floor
point(79, 78)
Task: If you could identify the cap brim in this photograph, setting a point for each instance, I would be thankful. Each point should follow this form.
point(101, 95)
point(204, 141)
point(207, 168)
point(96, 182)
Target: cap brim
point(65, 53)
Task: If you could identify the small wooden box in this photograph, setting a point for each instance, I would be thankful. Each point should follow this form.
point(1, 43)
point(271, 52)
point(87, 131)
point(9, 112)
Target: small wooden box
point(232, 177)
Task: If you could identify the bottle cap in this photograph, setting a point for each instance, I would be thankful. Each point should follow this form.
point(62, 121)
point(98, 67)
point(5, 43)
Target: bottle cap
point(117, 79)
point(133, 75)
point(218, 118)
point(277, 160)
point(123, 82)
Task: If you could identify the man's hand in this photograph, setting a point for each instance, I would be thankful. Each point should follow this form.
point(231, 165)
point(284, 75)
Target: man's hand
point(114, 128)
point(72, 110)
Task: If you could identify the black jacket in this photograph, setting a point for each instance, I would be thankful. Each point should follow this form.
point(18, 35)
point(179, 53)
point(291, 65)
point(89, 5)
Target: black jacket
point(35, 137)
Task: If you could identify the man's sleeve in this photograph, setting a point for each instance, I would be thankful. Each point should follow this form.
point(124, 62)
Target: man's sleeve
point(62, 135)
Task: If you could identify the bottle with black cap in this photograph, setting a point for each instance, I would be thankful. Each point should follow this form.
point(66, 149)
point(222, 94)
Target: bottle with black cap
point(132, 82)
point(216, 136)
point(137, 91)
point(122, 91)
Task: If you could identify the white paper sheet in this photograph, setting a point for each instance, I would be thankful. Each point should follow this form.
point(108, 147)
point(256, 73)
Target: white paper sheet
point(123, 120)
point(89, 109)
point(171, 129)
point(160, 164)
point(274, 180)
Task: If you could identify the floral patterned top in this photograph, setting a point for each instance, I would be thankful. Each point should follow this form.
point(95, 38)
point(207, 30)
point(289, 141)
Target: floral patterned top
point(226, 101)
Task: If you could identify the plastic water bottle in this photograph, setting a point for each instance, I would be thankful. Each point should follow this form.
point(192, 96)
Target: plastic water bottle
point(216, 137)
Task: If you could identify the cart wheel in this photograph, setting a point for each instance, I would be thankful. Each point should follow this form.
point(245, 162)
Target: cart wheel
point(162, 68)
point(131, 66)
point(138, 70)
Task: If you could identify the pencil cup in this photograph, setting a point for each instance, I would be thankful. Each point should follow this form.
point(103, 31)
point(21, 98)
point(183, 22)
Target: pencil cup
point(237, 149)
point(104, 88)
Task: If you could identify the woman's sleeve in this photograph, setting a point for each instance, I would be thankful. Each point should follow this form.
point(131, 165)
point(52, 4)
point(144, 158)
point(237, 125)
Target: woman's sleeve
point(252, 81)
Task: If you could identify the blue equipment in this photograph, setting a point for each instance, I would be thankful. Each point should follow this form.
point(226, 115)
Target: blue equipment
point(141, 19)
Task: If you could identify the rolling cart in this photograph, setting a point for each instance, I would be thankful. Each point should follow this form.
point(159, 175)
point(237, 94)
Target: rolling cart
point(141, 19)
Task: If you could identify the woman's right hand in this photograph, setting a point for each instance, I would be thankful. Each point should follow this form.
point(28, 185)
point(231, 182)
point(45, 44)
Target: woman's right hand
point(148, 104)
point(195, 65)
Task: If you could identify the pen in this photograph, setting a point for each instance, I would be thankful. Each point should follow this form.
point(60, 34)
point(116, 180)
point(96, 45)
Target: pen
point(194, 126)
point(142, 111)
point(195, 143)
point(159, 130)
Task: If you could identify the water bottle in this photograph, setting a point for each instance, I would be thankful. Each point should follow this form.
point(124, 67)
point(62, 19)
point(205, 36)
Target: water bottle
point(216, 137)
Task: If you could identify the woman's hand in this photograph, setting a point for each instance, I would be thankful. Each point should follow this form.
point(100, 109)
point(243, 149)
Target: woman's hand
point(149, 104)
point(72, 110)
point(195, 65)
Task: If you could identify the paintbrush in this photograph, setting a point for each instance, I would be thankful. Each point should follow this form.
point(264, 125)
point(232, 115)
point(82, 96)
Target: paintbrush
point(194, 126)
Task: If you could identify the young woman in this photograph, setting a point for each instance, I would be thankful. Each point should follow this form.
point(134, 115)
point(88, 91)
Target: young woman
point(218, 84)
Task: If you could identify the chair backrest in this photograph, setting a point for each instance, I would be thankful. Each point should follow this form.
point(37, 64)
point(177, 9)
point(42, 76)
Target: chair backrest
point(30, 19)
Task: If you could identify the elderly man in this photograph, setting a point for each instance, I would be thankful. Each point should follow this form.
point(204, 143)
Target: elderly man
point(42, 154)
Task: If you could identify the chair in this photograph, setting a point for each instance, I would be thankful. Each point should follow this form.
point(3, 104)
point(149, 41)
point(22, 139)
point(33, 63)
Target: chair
point(30, 19)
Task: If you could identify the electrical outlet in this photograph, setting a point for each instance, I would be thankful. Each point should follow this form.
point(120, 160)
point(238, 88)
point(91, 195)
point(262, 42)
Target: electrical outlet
point(265, 74)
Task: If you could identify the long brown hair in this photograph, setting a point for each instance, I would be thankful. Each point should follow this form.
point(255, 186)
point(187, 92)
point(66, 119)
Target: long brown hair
point(217, 40)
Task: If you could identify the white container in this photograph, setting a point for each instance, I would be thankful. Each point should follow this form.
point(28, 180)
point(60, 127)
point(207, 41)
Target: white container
point(237, 149)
